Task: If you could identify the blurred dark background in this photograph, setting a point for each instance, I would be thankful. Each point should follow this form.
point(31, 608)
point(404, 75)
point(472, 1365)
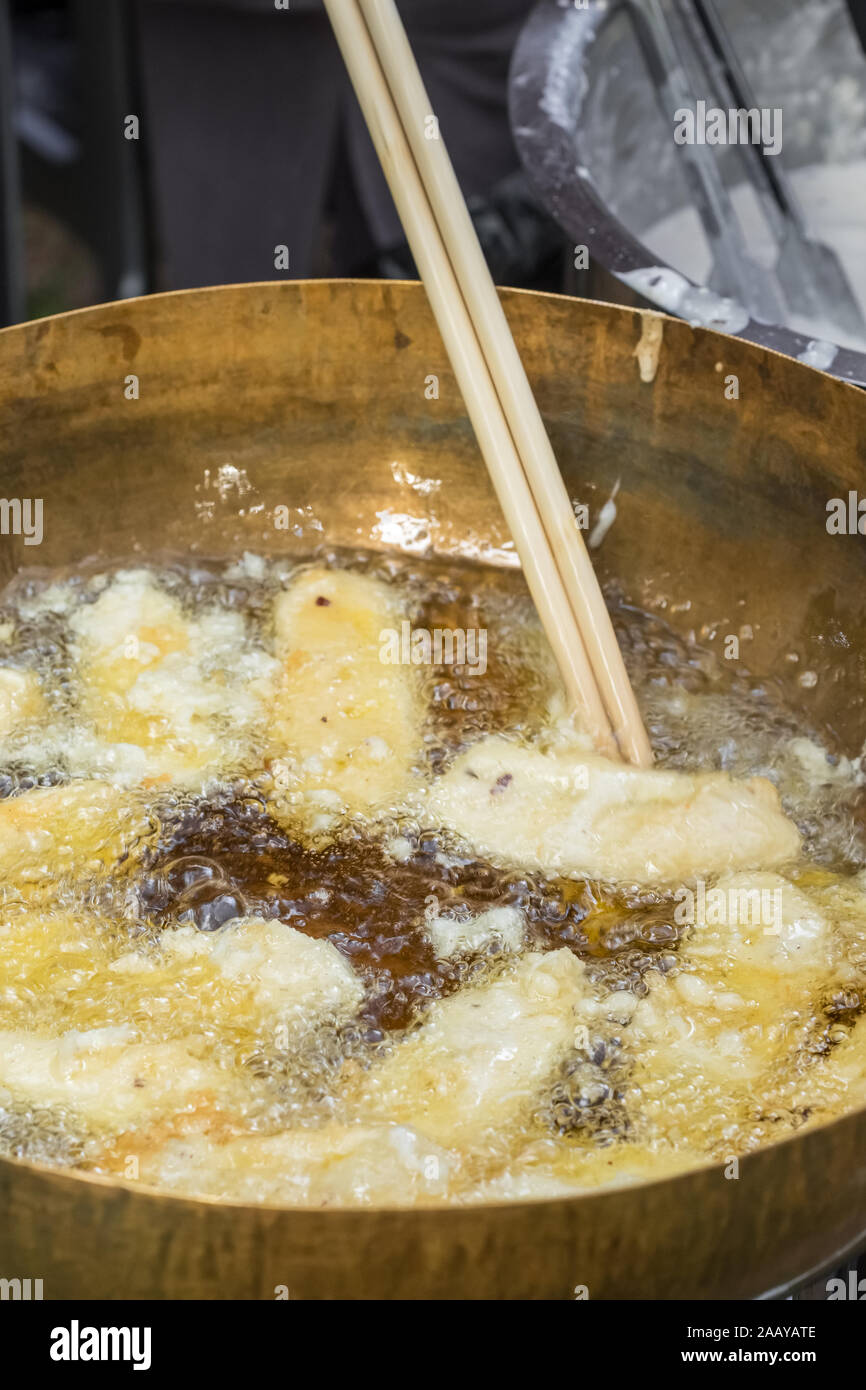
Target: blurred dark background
point(245, 136)
point(163, 144)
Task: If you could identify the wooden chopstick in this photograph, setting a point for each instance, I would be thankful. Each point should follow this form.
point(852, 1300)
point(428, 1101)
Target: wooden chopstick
point(471, 370)
point(509, 377)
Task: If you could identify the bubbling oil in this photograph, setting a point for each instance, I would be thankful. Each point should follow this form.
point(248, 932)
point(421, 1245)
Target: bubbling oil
point(80, 946)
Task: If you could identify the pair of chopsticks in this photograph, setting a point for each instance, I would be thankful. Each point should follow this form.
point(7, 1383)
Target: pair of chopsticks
point(490, 374)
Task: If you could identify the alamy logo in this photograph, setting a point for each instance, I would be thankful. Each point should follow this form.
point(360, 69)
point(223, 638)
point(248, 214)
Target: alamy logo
point(854, 1290)
point(444, 646)
point(77, 1343)
point(846, 517)
point(711, 125)
point(719, 907)
point(22, 516)
point(20, 1290)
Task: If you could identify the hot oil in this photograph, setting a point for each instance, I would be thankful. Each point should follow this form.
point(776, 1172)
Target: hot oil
point(217, 861)
point(216, 853)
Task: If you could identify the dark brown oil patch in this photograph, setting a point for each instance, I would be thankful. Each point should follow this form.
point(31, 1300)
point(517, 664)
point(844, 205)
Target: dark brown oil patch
point(226, 859)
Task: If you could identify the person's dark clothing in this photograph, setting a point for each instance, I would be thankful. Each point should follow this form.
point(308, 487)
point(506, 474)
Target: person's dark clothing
point(255, 139)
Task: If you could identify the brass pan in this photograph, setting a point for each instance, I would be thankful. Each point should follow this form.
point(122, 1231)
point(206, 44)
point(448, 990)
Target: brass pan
point(319, 393)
